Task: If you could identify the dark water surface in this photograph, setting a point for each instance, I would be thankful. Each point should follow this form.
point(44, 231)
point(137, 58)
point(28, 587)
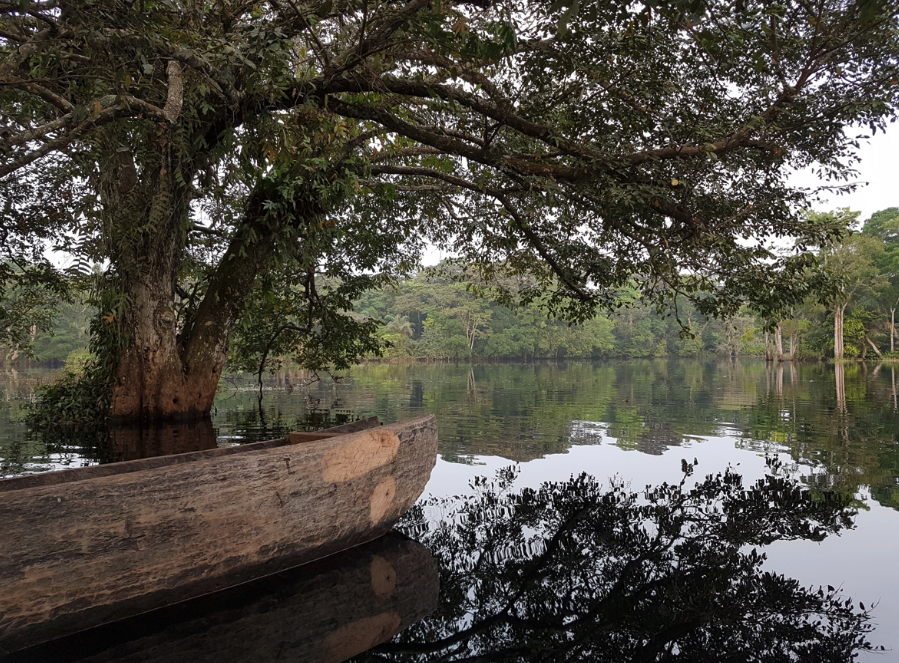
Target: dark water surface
point(834, 431)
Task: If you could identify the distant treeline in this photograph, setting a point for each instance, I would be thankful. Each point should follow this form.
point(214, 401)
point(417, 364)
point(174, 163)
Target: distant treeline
point(67, 341)
point(434, 316)
point(430, 316)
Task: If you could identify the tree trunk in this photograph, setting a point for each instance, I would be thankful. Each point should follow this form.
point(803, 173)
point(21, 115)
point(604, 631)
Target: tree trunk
point(768, 355)
point(148, 218)
point(838, 330)
point(892, 330)
point(152, 381)
point(873, 347)
point(894, 393)
point(839, 372)
point(779, 343)
point(169, 369)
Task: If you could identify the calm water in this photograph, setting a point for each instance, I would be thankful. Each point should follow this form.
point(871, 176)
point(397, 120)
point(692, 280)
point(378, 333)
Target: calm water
point(628, 424)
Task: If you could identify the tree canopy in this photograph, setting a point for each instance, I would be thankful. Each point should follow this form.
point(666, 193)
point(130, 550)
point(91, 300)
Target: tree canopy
point(192, 148)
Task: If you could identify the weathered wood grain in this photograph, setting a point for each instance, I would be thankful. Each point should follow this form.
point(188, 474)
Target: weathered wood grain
point(91, 550)
point(323, 612)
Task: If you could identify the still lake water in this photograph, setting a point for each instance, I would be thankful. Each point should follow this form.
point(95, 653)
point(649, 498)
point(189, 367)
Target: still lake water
point(630, 421)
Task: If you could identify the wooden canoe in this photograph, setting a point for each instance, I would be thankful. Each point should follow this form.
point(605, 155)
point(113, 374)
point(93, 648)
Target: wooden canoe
point(325, 611)
point(84, 547)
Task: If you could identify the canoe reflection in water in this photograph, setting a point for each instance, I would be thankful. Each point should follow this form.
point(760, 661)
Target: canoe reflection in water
point(325, 611)
point(576, 572)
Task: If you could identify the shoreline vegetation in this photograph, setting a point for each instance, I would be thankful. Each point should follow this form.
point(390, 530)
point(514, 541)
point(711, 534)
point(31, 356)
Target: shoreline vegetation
point(238, 187)
point(443, 314)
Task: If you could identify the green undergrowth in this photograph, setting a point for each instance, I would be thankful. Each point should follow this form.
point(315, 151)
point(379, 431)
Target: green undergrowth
point(79, 399)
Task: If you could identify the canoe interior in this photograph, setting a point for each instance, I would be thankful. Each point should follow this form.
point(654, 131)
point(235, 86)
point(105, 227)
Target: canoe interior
point(123, 467)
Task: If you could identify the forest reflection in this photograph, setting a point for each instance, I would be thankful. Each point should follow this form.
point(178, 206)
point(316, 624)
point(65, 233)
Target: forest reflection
point(576, 572)
point(841, 422)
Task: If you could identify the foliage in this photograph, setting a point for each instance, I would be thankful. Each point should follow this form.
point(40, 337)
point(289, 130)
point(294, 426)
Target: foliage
point(30, 296)
point(80, 398)
point(448, 319)
point(448, 313)
point(579, 148)
point(573, 571)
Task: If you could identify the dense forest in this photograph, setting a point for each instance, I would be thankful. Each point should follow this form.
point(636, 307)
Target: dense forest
point(435, 316)
point(438, 314)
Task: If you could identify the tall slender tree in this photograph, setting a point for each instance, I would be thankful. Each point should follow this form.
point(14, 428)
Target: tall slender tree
point(854, 261)
point(884, 225)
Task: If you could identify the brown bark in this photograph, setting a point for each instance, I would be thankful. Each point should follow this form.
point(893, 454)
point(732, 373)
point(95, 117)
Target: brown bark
point(172, 374)
point(151, 381)
point(166, 368)
point(147, 221)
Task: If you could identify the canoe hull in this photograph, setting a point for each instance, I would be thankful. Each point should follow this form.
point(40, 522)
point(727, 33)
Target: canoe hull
point(86, 552)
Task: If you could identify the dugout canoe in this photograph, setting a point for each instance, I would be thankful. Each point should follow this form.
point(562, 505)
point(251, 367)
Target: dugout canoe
point(84, 547)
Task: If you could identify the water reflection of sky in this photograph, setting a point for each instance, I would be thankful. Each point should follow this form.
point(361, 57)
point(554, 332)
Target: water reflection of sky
point(635, 421)
point(861, 561)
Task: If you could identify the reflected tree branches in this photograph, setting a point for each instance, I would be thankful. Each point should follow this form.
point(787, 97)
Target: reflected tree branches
point(576, 571)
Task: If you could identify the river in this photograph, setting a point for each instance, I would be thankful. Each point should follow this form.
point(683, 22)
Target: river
point(635, 424)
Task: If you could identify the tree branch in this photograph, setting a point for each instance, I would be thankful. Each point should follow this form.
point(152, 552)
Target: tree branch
point(175, 94)
point(106, 115)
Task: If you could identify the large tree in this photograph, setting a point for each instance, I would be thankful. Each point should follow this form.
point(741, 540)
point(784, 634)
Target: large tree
point(192, 148)
point(854, 261)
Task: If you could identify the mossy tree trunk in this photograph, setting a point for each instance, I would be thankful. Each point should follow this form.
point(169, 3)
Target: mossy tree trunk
point(166, 367)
